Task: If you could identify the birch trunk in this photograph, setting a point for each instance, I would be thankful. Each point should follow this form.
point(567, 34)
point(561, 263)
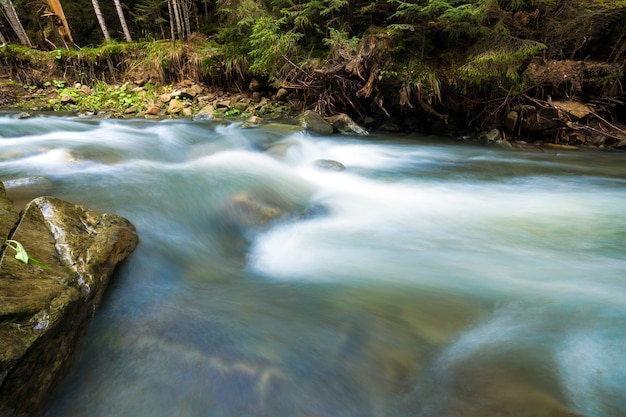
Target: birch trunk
point(120, 14)
point(14, 20)
point(100, 17)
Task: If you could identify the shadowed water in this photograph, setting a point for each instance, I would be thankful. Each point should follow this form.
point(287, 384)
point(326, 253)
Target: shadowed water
point(430, 278)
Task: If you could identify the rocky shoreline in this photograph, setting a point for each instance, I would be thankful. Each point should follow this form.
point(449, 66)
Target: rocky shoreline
point(565, 124)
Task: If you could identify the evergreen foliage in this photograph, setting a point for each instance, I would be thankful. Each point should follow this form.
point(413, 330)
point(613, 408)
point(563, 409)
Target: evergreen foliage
point(425, 47)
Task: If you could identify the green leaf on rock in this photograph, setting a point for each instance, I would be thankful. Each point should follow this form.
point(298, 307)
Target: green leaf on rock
point(20, 252)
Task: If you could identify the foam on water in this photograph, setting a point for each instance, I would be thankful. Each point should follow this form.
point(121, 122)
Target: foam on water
point(404, 231)
point(591, 367)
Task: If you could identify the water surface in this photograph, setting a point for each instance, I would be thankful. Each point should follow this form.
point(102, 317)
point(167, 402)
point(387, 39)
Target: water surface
point(431, 277)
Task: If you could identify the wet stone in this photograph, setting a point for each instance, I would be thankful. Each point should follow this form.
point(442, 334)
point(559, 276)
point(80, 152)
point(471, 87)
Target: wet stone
point(47, 302)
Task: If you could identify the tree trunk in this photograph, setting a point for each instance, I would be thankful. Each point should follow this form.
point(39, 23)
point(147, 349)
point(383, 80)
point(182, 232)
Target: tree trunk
point(103, 25)
point(120, 13)
point(14, 20)
point(185, 13)
point(60, 22)
point(179, 26)
point(2, 40)
point(170, 10)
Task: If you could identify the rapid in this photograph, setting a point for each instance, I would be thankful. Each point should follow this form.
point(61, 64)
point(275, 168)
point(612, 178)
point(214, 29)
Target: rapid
point(432, 277)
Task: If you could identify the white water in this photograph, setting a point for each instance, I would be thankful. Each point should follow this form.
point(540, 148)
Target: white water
point(433, 277)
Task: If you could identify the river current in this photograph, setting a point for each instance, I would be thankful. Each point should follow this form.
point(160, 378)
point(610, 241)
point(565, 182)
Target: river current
point(432, 277)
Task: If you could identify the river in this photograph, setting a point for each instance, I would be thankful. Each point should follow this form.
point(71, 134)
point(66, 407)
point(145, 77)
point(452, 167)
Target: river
point(432, 277)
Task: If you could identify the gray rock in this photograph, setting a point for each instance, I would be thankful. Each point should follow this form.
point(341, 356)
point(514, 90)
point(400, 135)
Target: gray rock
point(256, 85)
point(343, 123)
point(153, 110)
point(313, 122)
point(175, 106)
point(47, 303)
point(329, 164)
point(281, 94)
point(493, 136)
point(252, 121)
point(191, 92)
point(67, 99)
point(204, 115)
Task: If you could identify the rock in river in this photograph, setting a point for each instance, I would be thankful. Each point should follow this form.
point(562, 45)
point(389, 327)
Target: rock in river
point(46, 304)
point(313, 122)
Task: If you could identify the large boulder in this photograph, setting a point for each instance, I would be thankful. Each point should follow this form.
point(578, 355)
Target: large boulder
point(343, 123)
point(313, 122)
point(45, 304)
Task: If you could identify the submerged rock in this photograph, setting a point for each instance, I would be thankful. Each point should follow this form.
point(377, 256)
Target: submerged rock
point(249, 211)
point(279, 150)
point(329, 165)
point(46, 303)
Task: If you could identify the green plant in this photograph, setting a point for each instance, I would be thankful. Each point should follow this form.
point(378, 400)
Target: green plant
point(21, 254)
point(232, 112)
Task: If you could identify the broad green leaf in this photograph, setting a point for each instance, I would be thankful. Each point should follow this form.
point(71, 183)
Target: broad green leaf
point(20, 252)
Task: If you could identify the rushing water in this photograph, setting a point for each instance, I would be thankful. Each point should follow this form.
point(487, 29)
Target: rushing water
point(430, 278)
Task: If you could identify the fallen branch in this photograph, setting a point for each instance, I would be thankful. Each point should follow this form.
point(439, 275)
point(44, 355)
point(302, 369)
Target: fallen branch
point(578, 126)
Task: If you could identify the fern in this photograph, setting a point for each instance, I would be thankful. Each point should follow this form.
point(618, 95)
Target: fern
point(271, 46)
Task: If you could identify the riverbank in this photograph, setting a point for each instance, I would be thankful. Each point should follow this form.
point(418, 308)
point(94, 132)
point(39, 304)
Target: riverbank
point(568, 104)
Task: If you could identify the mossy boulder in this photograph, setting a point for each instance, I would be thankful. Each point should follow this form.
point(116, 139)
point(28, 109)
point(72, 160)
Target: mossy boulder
point(313, 122)
point(46, 304)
